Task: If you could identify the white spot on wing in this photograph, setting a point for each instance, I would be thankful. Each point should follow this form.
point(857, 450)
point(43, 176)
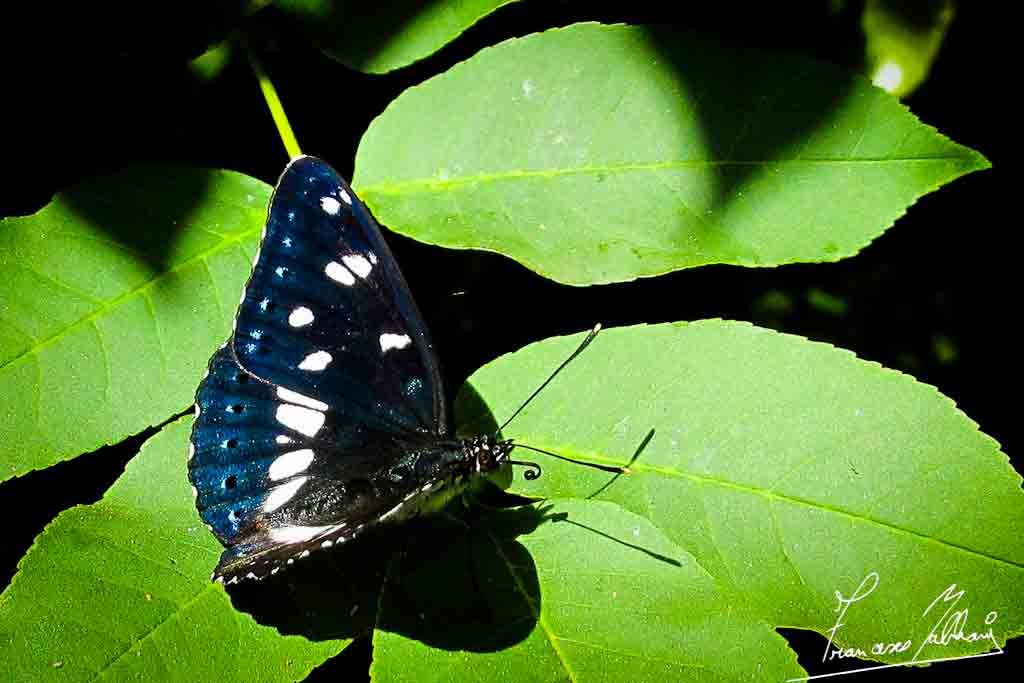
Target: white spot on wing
point(316, 361)
point(340, 273)
point(358, 264)
point(282, 494)
point(330, 205)
point(390, 341)
point(300, 399)
point(282, 439)
point(300, 317)
point(290, 463)
point(296, 534)
point(345, 196)
point(302, 420)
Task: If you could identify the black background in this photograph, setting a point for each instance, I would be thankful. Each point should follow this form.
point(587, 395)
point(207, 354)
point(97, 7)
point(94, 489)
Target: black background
point(88, 91)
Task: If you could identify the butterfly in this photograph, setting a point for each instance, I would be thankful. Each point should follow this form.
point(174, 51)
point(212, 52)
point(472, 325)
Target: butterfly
point(324, 413)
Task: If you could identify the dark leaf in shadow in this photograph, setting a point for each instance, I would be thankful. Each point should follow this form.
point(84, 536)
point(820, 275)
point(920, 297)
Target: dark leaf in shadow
point(354, 37)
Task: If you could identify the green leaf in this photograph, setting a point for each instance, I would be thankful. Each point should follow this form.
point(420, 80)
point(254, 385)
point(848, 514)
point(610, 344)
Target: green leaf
point(121, 590)
point(788, 468)
point(114, 297)
point(605, 596)
point(390, 34)
point(596, 154)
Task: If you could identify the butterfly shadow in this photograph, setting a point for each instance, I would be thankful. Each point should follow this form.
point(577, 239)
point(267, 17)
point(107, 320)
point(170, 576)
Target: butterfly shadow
point(450, 581)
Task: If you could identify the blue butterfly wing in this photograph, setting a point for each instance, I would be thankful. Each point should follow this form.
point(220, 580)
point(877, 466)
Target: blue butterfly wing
point(327, 383)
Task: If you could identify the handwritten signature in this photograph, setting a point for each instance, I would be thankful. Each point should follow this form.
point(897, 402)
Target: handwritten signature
point(950, 626)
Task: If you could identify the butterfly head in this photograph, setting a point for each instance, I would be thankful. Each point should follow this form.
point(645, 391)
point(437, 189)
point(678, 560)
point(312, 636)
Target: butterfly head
point(486, 453)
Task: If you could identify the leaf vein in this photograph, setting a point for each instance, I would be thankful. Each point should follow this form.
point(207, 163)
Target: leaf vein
point(117, 301)
point(532, 605)
point(797, 500)
point(408, 187)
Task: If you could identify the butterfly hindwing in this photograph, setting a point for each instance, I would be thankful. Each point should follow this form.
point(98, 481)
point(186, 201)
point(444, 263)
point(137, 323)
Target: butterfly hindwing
point(327, 394)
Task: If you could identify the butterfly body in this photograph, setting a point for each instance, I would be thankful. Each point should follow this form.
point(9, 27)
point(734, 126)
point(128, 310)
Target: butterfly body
point(324, 414)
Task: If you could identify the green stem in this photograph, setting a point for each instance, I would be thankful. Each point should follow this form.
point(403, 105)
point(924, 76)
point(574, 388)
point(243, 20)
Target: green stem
point(284, 129)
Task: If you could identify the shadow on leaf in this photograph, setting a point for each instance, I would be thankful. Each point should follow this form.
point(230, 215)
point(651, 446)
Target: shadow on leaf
point(441, 580)
point(146, 218)
point(743, 137)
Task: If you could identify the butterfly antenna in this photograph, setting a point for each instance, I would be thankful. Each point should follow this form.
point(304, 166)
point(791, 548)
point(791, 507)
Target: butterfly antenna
point(614, 469)
point(578, 351)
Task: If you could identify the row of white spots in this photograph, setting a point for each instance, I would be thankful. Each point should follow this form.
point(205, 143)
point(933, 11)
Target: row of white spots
point(282, 494)
point(390, 341)
point(300, 399)
point(300, 317)
point(290, 463)
point(302, 420)
point(344, 196)
point(316, 361)
point(340, 273)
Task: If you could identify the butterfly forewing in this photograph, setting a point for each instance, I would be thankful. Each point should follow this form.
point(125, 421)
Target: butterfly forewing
point(326, 311)
point(327, 383)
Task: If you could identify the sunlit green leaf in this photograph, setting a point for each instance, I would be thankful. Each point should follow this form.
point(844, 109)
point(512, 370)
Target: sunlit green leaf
point(121, 590)
point(789, 469)
point(605, 153)
point(606, 597)
point(114, 297)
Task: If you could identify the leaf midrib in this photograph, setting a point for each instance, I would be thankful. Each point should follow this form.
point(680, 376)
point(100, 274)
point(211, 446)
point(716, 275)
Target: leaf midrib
point(796, 500)
point(156, 627)
point(537, 614)
point(422, 185)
